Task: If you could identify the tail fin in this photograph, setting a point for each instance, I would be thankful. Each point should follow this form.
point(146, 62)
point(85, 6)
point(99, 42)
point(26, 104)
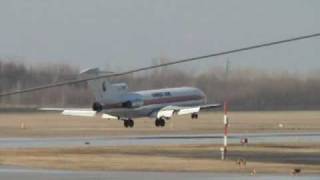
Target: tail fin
point(98, 86)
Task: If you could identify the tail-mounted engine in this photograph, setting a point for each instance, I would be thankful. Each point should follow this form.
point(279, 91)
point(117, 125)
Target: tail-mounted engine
point(98, 107)
point(133, 103)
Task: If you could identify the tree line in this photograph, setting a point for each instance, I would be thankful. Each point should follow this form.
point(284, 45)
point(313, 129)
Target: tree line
point(245, 89)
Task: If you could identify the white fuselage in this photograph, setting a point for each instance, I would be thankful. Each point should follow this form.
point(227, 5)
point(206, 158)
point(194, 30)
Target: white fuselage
point(146, 103)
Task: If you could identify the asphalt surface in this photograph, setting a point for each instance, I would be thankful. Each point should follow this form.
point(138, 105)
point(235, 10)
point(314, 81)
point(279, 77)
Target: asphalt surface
point(13, 173)
point(30, 174)
point(156, 140)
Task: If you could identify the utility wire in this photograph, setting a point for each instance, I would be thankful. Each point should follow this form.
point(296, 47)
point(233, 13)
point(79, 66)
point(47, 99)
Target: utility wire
point(161, 65)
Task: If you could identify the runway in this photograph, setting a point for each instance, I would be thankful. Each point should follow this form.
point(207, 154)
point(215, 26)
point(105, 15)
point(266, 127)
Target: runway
point(156, 140)
point(30, 174)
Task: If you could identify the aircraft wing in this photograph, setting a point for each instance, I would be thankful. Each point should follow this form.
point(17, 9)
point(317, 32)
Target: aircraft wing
point(170, 111)
point(80, 112)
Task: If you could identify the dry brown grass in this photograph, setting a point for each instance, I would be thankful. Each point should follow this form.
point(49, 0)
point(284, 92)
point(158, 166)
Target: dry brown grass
point(51, 124)
point(147, 158)
point(158, 158)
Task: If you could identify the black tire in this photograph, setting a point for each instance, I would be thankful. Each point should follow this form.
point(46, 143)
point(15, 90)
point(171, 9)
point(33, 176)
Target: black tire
point(157, 122)
point(162, 122)
point(131, 123)
point(194, 116)
point(125, 124)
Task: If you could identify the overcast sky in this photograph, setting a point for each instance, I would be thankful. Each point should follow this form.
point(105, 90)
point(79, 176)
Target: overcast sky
point(123, 34)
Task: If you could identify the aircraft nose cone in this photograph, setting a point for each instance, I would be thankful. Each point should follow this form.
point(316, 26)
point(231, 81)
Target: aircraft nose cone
point(202, 95)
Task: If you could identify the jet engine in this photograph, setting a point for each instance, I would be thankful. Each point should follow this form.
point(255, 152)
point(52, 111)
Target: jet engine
point(98, 107)
point(133, 103)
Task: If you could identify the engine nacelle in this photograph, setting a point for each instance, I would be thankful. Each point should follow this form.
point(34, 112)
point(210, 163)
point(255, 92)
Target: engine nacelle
point(98, 107)
point(133, 103)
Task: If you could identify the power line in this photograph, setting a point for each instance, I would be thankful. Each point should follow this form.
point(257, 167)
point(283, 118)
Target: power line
point(162, 65)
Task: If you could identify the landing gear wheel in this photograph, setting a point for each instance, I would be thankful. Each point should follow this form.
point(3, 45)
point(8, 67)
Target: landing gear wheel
point(160, 122)
point(125, 124)
point(131, 123)
point(157, 123)
point(194, 116)
point(128, 123)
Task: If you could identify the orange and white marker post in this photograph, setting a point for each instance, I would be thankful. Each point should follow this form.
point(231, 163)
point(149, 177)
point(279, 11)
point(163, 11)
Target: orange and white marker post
point(224, 149)
point(226, 124)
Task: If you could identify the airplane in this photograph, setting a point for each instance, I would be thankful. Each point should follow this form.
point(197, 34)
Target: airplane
point(114, 101)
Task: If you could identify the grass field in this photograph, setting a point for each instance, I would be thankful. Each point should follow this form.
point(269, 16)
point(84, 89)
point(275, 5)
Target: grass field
point(53, 124)
point(191, 158)
point(264, 158)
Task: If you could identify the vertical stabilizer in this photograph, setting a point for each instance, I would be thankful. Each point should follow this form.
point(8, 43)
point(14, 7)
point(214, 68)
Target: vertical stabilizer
point(98, 86)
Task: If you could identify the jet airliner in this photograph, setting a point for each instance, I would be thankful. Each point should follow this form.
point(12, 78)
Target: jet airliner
point(115, 101)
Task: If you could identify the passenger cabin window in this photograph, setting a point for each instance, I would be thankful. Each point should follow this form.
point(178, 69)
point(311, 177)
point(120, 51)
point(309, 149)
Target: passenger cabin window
point(167, 94)
point(160, 95)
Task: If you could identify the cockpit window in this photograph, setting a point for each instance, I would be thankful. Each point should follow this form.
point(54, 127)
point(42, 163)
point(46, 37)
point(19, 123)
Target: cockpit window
point(157, 94)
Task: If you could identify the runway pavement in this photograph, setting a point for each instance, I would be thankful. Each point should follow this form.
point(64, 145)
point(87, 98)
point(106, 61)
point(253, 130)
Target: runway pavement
point(156, 140)
point(14, 173)
point(31, 174)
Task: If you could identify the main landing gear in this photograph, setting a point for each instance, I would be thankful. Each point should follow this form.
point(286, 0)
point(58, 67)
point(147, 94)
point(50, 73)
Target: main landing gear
point(128, 123)
point(160, 122)
point(194, 116)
